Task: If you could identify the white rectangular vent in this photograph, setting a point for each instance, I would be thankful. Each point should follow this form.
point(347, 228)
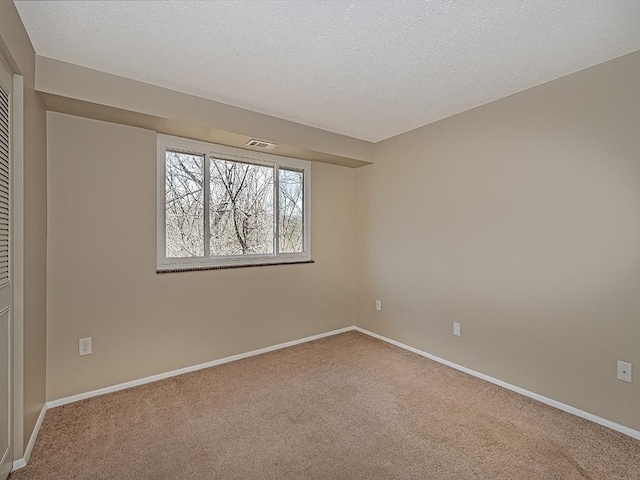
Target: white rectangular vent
point(261, 144)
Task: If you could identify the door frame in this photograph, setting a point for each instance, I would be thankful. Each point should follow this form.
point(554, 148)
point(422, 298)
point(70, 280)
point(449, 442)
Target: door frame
point(17, 256)
point(16, 424)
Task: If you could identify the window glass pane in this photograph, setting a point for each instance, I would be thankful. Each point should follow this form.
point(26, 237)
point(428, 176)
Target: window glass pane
point(184, 200)
point(291, 211)
point(241, 208)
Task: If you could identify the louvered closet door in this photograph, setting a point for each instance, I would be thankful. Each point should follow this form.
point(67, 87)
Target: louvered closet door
point(6, 288)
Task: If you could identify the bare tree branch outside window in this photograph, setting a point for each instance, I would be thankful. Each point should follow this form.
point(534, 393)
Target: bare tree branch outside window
point(241, 213)
point(184, 200)
point(291, 211)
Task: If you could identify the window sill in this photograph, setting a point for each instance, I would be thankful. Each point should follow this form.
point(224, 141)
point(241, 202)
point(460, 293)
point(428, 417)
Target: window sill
point(225, 267)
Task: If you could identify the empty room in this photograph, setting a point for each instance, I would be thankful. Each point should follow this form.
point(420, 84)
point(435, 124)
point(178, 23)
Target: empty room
point(319, 239)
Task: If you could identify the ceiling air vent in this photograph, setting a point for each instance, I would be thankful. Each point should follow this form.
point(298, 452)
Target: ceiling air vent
point(261, 144)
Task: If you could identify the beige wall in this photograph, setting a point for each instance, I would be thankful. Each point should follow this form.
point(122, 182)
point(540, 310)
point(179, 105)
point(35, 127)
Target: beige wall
point(35, 260)
point(520, 220)
point(88, 93)
point(32, 350)
point(102, 272)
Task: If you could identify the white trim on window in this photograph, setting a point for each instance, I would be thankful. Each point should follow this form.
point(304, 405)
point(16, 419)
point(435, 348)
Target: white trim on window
point(210, 150)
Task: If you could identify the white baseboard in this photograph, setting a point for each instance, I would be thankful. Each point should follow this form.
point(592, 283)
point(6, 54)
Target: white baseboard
point(193, 368)
point(546, 400)
point(22, 462)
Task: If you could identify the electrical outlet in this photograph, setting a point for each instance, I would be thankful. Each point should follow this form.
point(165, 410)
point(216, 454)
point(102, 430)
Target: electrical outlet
point(456, 329)
point(378, 305)
point(84, 347)
point(624, 371)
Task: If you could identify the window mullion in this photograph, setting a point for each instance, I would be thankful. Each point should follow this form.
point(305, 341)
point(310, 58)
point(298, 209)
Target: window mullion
point(207, 200)
point(276, 209)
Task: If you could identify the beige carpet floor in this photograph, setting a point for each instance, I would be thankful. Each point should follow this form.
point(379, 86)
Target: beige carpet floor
point(344, 407)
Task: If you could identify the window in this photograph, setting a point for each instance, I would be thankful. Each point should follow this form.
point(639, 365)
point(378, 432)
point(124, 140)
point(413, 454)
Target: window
point(221, 206)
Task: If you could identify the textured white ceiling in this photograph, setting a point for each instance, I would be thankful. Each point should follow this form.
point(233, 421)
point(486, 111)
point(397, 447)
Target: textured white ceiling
point(367, 69)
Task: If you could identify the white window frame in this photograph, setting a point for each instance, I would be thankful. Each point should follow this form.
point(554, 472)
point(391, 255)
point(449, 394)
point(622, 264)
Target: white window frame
point(211, 150)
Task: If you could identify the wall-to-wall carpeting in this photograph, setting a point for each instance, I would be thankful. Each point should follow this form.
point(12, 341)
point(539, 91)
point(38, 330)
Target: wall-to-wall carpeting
point(344, 407)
